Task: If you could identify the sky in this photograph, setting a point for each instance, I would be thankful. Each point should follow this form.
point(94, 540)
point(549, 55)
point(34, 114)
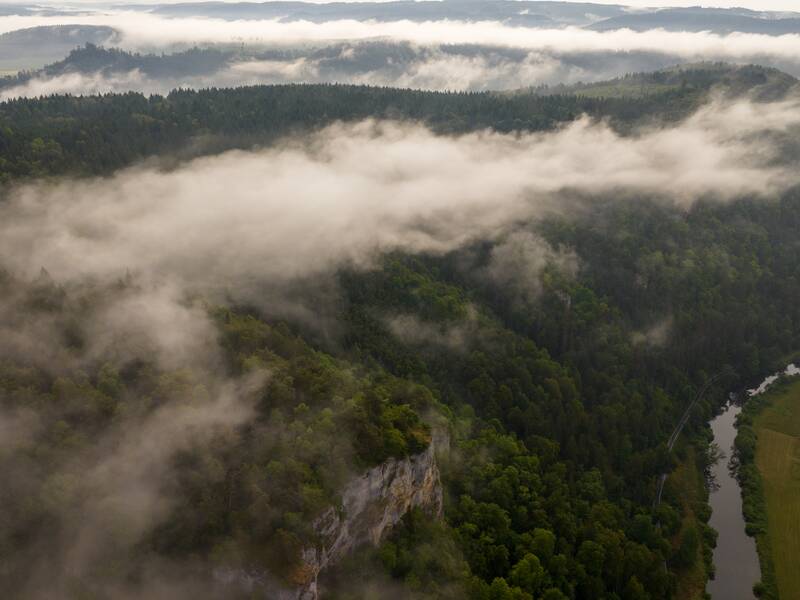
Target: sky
point(792, 5)
point(788, 5)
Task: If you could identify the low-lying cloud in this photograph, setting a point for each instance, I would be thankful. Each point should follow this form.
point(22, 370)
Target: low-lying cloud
point(79, 84)
point(467, 68)
point(430, 70)
point(351, 191)
point(508, 56)
point(109, 497)
point(454, 336)
point(517, 262)
point(140, 30)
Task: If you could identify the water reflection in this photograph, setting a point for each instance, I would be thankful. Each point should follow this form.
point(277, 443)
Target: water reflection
point(735, 557)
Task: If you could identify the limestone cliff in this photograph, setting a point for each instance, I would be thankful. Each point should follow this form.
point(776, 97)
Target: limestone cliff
point(371, 505)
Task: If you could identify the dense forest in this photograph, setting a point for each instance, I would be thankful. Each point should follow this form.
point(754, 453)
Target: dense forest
point(98, 134)
point(558, 395)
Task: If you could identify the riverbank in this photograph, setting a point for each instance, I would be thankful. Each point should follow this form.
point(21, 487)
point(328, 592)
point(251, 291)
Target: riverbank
point(736, 561)
point(686, 487)
point(768, 450)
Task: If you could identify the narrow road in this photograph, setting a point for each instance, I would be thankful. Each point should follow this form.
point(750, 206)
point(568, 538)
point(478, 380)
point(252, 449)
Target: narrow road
point(677, 431)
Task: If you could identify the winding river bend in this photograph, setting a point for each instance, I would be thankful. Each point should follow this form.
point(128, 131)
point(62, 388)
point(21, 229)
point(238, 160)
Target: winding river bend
point(735, 557)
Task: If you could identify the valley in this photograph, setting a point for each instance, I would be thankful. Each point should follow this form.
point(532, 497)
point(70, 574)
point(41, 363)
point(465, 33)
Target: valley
point(398, 301)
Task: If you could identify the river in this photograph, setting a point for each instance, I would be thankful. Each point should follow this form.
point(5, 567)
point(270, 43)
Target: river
point(735, 557)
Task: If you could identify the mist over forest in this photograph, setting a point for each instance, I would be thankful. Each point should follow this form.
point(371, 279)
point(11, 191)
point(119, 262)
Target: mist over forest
point(465, 46)
point(393, 300)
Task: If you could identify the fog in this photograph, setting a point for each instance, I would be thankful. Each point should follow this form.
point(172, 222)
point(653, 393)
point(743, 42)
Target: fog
point(350, 191)
point(403, 53)
point(434, 55)
point(516, 264)
point(456, 337)
point(428, 69)
point(105, 495)
point(233, 225)
point(398, 65)
point(353, 190)
point(149, 31)
point(252, 226)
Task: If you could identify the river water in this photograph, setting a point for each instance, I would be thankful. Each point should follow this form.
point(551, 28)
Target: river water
point(735, 557)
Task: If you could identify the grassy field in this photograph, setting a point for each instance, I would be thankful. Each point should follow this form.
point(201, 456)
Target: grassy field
point(778, 461)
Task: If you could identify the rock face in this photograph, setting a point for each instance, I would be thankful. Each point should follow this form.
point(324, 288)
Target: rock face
point(371, 505)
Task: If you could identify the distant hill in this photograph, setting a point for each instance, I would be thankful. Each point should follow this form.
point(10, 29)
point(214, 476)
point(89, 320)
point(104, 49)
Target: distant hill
point(34, 47)
point(92, 58)
point(187, 68)
point(217, 67)
point(522, 13)
point(720, 21)
point(599, 17)
point(764, 83)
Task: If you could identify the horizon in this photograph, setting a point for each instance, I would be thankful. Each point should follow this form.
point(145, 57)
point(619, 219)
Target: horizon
point(756, 5)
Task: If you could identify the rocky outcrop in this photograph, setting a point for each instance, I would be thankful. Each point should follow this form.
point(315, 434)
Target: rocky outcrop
point(374, 503)
point(371, 505)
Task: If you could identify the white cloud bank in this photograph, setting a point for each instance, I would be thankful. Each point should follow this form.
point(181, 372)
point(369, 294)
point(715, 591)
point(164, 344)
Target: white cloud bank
point(351, 191)
point(429, 69)
point(509, 57)
point(142, 30)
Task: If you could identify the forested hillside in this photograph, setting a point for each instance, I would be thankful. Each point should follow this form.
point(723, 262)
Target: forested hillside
point(97, 134)
point(558, 352)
